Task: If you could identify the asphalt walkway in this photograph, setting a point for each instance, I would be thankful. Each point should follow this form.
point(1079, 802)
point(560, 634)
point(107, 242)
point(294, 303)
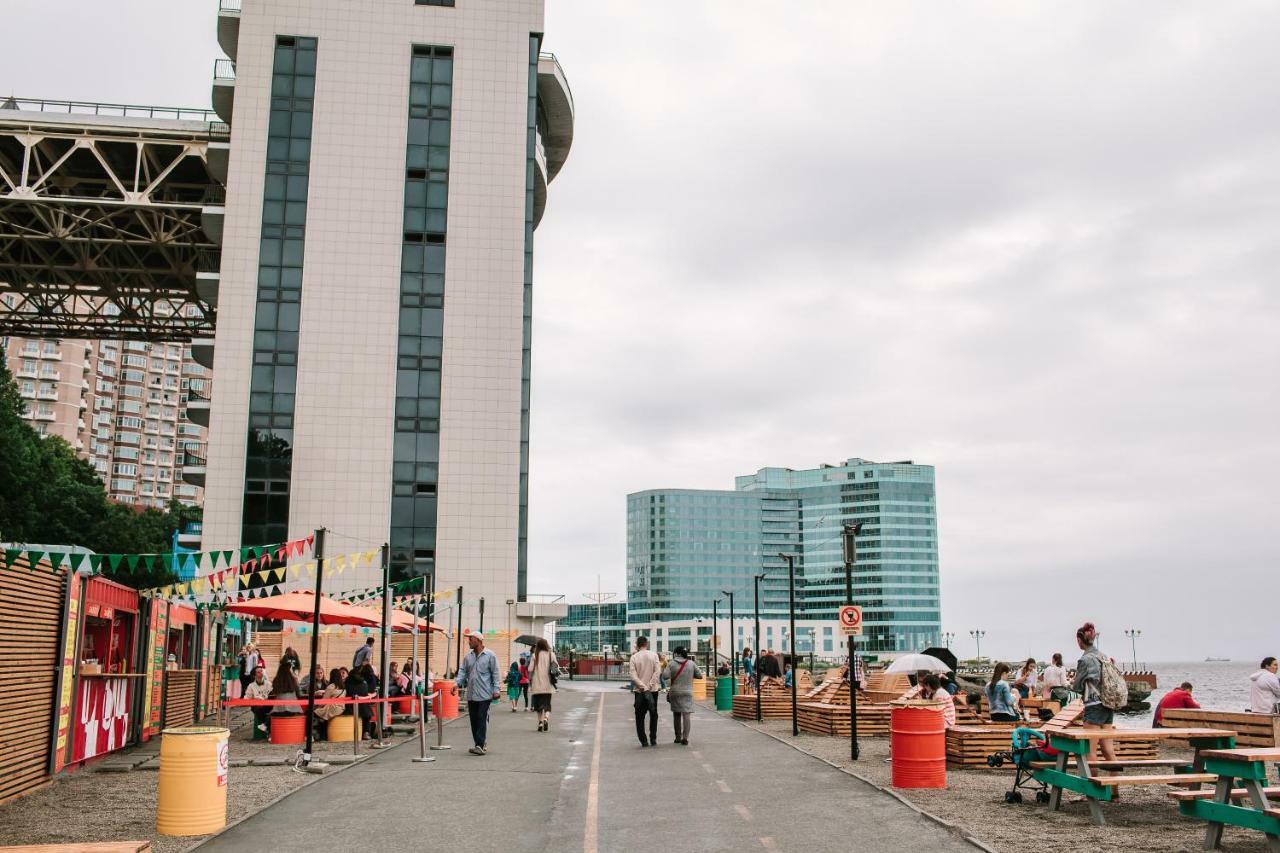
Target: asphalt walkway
point(587, 786)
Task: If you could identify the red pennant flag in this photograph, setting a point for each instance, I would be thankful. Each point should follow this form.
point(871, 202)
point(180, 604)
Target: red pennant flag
point(282, 553)
point(311, 540)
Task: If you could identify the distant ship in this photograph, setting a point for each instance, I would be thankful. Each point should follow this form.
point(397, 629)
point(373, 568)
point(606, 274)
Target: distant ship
point(1217, 660)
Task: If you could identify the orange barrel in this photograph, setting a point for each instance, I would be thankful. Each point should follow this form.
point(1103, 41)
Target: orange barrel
point(289, 729)
point(918, 744)
point(445, 706)
point(343, 728)
point(699, 688)
point(193, 781)
point(404, 705)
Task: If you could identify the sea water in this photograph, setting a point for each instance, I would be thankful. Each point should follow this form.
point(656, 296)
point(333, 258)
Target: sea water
point(1218, 686)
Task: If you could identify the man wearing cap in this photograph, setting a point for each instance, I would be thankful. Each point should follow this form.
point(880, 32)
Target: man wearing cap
point(480, 678)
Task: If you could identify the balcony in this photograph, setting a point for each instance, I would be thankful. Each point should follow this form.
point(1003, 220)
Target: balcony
point(218, 154)
point(52, 354)
point(45, 416)
point(213, 211)
point(193, 469)
point(229, 26)
point(224, 88)
point(43, 394)
point(198, 404)
point(202, 353)
point(189, 536)
point(555, 103)
point(28, 373)
point(208, 279)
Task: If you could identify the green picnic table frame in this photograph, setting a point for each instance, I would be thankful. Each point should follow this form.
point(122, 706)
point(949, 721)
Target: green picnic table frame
point(1221, 811)
point(1058, 779)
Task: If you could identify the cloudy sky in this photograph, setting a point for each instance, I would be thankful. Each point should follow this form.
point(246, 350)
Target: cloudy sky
point(1034, 245)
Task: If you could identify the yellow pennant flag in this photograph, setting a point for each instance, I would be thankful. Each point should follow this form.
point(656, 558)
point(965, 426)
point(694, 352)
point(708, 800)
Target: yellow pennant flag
point(368, 557)
point(311, 569)
point(293, 570)
point(197, 585)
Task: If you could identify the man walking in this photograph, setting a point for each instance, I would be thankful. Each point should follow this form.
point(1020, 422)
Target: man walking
point(363, 655)
point(480, 678)
point(645, 674)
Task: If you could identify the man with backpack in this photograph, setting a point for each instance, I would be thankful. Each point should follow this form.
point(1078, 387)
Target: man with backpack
point(1100, 684)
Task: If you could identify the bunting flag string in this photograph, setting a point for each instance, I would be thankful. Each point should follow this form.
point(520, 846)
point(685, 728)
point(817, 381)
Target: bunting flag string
point(200, 561)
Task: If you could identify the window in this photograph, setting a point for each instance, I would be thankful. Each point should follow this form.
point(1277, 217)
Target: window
point(433, 2)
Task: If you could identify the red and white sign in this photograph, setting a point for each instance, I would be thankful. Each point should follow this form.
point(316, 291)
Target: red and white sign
point(222, 764)
point(102, 717)
point(851, 620)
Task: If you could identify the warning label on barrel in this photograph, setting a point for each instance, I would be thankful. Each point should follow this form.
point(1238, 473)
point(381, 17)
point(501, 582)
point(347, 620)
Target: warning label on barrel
point(222, 763)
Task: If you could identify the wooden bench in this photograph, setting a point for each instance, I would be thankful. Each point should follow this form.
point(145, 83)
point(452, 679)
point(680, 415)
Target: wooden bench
point(1252, 729)
point(1097, 789)
point(1234, 793)
point(1170, 779)
point(1246, 767)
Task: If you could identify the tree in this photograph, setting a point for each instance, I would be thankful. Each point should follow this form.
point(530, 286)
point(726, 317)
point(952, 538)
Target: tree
point(50, 496)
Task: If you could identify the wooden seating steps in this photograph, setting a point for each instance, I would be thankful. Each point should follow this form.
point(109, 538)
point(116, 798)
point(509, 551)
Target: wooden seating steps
point(775, 701)
point(1251, 729)
point(1236, 794)
point(969, 746)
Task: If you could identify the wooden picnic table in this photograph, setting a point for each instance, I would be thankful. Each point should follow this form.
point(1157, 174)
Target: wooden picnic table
point(1096, 789)
point(1249, 767)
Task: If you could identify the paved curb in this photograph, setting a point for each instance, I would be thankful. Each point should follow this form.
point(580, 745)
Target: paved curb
point(945, 824)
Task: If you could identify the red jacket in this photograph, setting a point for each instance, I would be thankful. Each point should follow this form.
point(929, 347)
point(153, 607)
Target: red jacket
point(1175, 698)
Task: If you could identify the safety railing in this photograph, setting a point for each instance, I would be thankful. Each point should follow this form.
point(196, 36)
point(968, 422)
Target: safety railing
point(94, 108)
point(229, 5)
point(224, 69)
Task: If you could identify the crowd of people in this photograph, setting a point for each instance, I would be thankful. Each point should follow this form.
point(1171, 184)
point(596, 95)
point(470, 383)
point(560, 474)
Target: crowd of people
point(359, 680)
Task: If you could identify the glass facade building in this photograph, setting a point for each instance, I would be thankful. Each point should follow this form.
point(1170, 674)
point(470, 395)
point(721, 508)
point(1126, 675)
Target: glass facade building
point(579, 630)
point(685, 546)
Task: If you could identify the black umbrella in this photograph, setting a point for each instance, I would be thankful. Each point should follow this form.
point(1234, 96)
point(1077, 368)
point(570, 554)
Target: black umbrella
point(530, 640)
point(944, 655)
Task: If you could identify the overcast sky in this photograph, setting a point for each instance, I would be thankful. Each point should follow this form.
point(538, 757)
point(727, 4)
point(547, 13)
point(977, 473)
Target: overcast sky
point(1034, 245)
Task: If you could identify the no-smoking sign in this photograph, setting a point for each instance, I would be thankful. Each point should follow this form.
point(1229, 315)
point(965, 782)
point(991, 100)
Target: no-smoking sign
point(222, 763)
point(851, 620)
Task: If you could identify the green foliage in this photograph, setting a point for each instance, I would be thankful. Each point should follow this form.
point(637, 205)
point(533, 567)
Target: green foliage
point(50, 496)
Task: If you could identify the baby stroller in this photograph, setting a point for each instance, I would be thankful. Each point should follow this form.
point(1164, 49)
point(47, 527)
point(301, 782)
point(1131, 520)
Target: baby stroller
point(1028, 745)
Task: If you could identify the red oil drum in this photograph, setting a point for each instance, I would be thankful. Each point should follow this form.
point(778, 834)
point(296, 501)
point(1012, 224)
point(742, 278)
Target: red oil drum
point(918, 743)
point(445, 706)
point(289, 729)
point(404, 705)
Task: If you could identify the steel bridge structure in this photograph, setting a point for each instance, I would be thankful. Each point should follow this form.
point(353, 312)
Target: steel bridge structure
point(110, 220)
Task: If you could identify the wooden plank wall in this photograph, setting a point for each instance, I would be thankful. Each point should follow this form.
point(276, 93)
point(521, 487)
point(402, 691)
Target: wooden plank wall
point(30, 620)
point(180, 697)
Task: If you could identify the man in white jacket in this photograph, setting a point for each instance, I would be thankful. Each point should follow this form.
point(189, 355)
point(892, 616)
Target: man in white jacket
point(1264, 695)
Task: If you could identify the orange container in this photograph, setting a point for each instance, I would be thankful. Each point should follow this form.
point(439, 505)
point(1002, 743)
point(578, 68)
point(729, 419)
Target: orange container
point(445, 706)
point(918, 744)
point(404, 705)
point(289, 729)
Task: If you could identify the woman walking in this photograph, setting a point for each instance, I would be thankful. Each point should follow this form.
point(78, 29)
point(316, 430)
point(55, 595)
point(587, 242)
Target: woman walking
point(1088, 683)
point(543, 671)
point(524, 679)
point(680, 675)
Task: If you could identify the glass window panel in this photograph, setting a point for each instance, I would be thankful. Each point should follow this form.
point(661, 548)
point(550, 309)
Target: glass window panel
point(300, 150)
point(279, 124)
point(292, 253)
point(305, 63)
point(304, 87)
point(296, 213)
point(297, 188)
point(300, 126)
point(284, 60)
point(438, 158)
point(442, 71)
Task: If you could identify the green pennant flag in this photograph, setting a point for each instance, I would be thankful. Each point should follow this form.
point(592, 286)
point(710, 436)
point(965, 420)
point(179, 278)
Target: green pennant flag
point(55, 559)
point(11, 555)
point(131, 560)
point(95, 563)
point(77, 561)
point(33, 558)
point(226, 557)
point(113, 561)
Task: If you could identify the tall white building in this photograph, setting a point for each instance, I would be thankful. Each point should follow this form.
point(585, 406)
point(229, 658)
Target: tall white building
point(387, 165)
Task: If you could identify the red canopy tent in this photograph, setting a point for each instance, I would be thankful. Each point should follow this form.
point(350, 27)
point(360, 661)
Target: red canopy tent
point(300, 606)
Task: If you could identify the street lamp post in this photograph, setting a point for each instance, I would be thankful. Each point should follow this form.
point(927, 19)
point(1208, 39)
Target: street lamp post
point(813, 649)
point(756, 586)
point(1133, 634)
point(715, 633)
point(733, 652)
point(977, 635)
point(850, 542)
point(791, 641)
point(947, 637)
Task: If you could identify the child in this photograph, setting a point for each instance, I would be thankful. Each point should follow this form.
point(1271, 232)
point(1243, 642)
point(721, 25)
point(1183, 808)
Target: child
point(513, 685)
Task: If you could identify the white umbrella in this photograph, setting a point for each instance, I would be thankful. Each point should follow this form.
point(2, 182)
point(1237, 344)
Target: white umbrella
point(916, 663)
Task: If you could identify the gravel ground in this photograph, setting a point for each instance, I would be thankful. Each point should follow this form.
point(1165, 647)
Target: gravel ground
point(89, 806)
point(1145, 819)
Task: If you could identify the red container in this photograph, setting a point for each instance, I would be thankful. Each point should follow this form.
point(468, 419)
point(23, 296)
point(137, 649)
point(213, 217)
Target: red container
point(289, 729)
point(918, 744)
point(404, 705)
point(445, 706)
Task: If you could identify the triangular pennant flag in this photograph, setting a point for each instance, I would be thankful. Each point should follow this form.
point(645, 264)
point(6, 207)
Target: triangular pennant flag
point(56, 558)
point(198, 585)
point(95, 563)
point(113, 561)
point(34, 558)
point(293, 570)
point(11, 555)
point(311, 569)
point(226, 557)
point(311, 540)
point(77, 561)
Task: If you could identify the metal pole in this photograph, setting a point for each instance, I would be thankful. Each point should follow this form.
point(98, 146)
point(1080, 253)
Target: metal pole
point(756, 586)
point(457, 665)
point(426, 642)
point(715, 634)
point(733, 650)
point(795, 666)
point(481, 629)
point(318, 553)
point(385, 658)
point(851, 531)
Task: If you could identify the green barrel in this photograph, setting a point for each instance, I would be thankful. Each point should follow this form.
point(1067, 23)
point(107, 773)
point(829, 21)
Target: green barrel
point(724, 693)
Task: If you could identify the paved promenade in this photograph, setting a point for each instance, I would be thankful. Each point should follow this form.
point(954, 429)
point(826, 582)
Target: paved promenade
point(587, 786)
